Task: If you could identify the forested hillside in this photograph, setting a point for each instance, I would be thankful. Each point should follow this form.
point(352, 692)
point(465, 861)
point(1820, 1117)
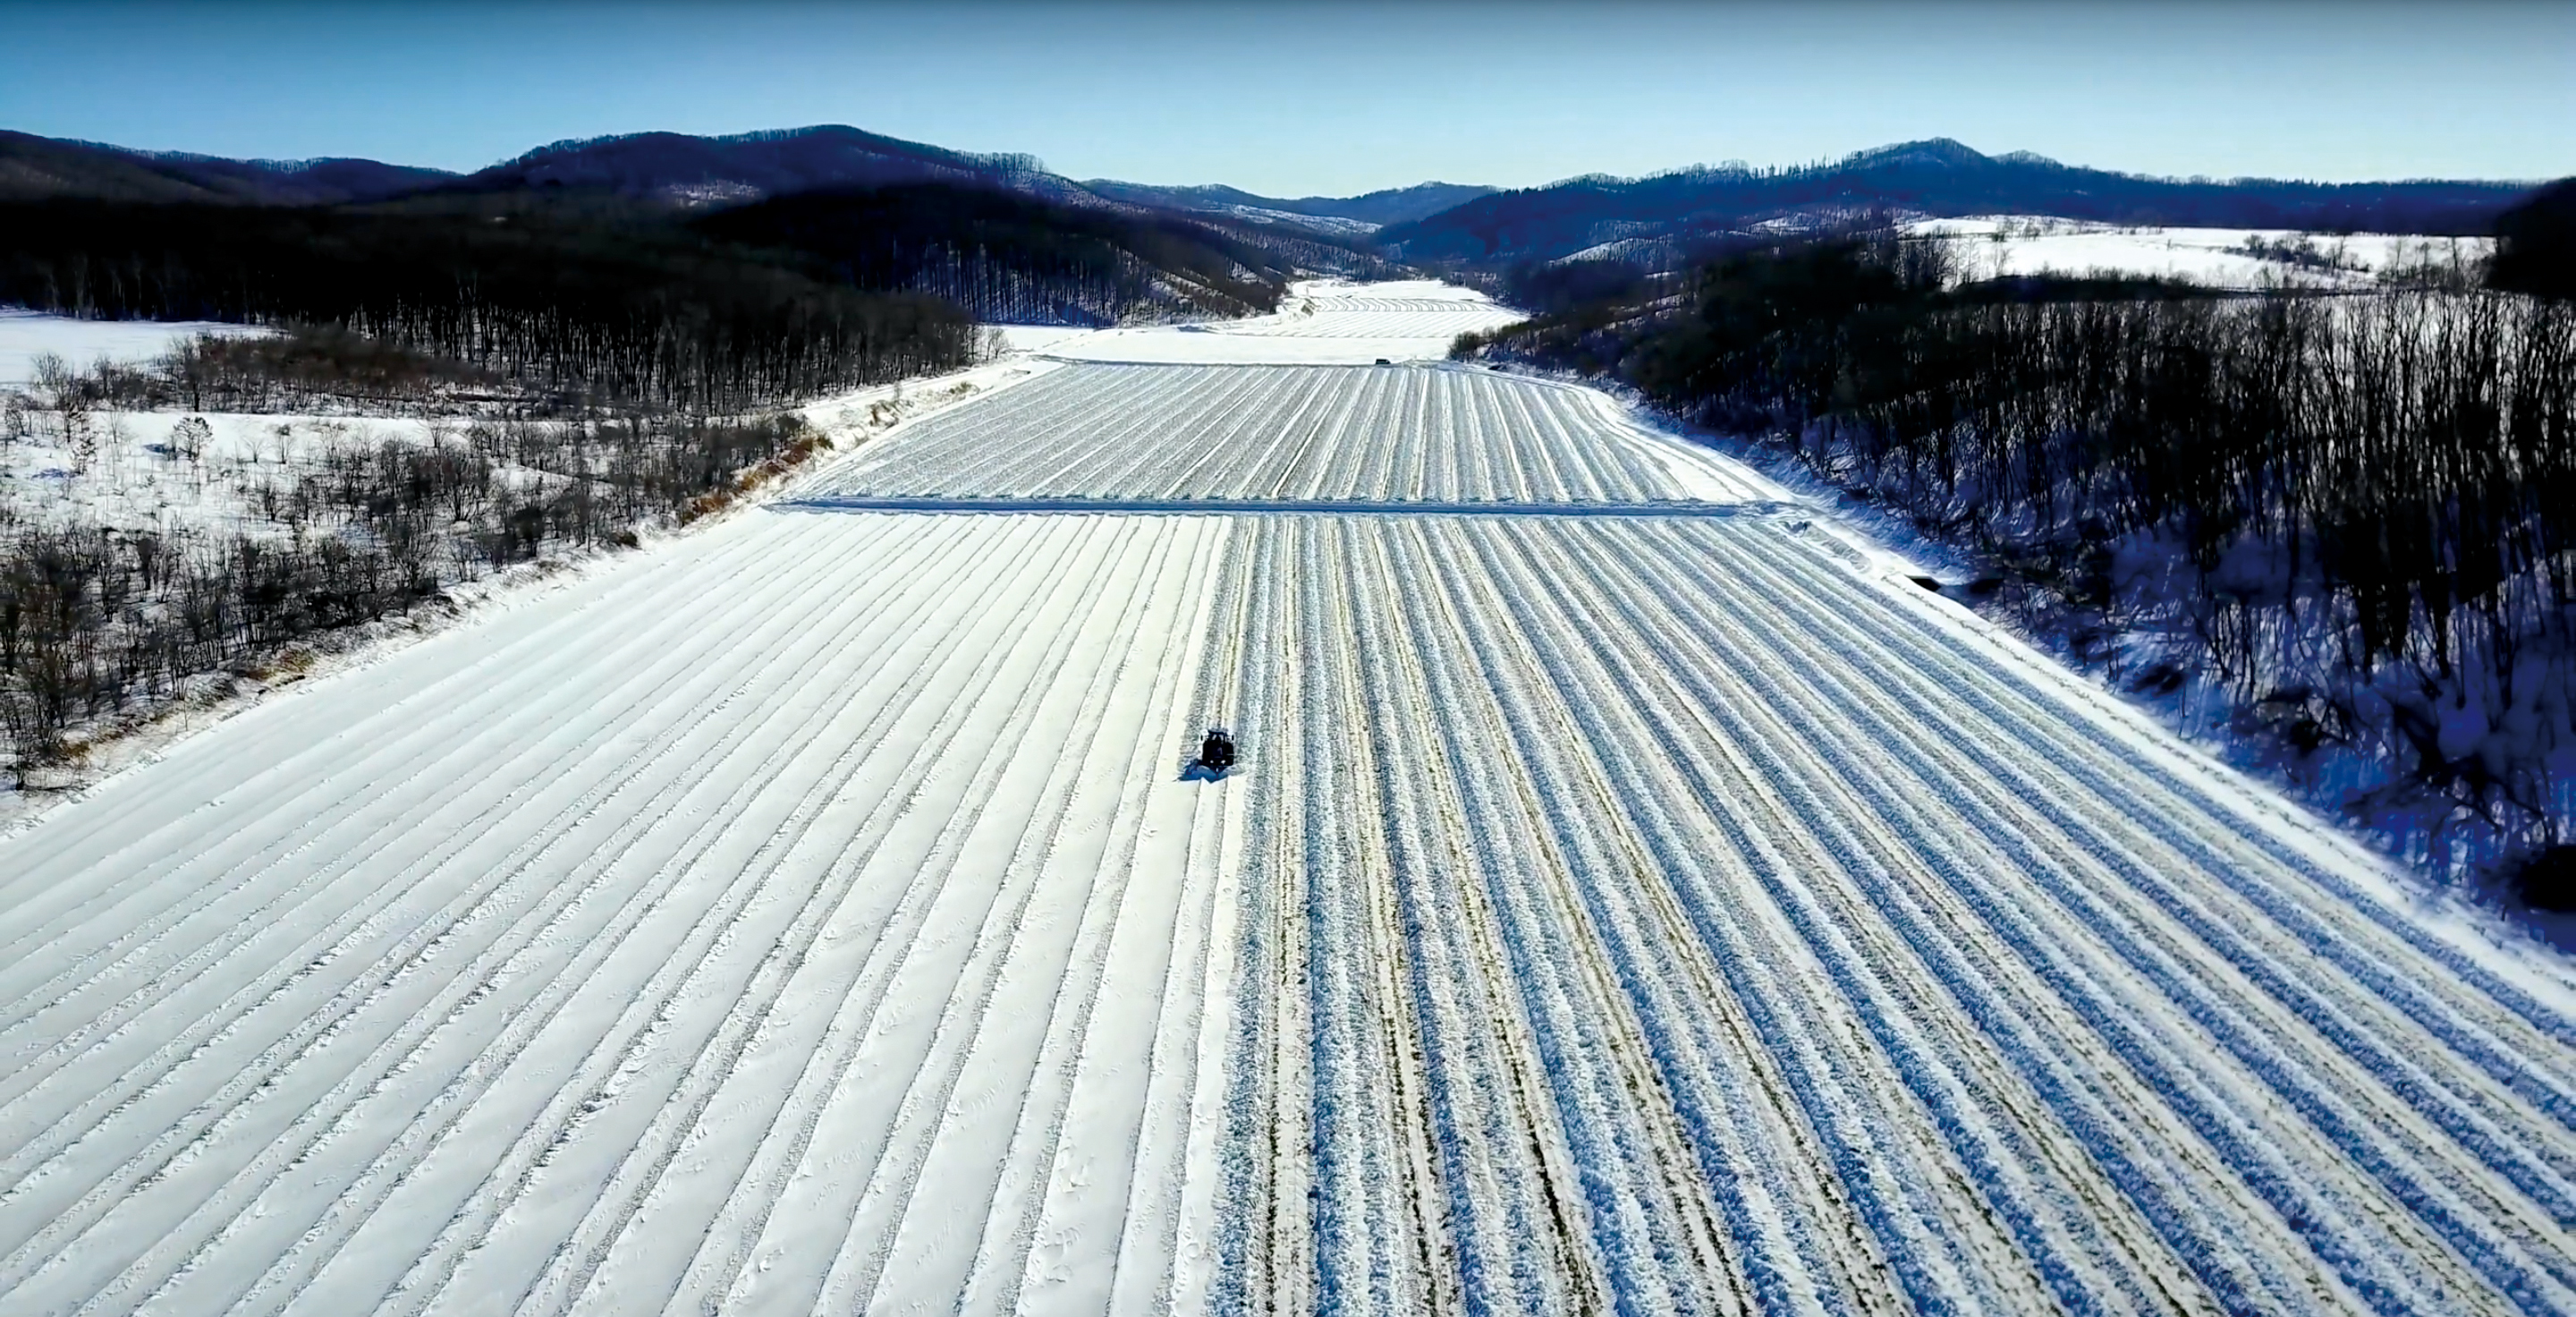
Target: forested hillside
point(35, 167)
point(692, 270)
point(553, 297)
point(694, 170)
point(1011, 258)
point(1385, 206)
point(2343, 530)
point(1936, 177)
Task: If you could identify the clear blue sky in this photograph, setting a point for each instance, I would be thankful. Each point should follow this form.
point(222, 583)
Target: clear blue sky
point(1333, 98)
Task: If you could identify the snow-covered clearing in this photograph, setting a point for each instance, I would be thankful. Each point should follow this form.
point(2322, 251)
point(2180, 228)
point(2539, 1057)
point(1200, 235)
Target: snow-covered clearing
point(1324, 322)
point(1997, 246)
point(140, 479)
point(1338, 225)
point(1632, 899)
point(818, 891)
point(26, 335)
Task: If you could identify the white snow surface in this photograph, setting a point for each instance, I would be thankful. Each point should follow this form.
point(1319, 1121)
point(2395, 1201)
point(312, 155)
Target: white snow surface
point(2001, 245)
point(1339, 225)
point(137, 482)
point(1038, 338)
point(1322, 322)
point(1631, 898)
point(26, 335)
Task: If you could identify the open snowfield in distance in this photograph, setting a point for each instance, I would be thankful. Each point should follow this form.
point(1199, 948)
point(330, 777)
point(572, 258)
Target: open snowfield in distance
point(1996, 246)
point(1338, 225)
point(1321, 322)
point(1631, 899)
point(26, 335)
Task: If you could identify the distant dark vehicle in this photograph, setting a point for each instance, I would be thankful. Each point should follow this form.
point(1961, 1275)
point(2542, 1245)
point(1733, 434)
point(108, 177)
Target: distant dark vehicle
point(1384, 362)
point(1216, 753)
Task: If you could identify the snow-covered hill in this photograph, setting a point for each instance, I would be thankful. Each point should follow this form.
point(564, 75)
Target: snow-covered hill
point(1997, 246)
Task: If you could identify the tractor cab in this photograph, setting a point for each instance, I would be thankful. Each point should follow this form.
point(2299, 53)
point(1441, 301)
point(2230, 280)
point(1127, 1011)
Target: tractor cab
point(1216, 752)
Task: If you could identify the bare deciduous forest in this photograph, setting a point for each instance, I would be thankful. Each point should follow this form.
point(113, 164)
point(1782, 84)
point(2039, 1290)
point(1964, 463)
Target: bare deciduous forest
point(2340, 532)
point(585, 376)
point(101, 619)
point(560, 300)
point(1017, 260)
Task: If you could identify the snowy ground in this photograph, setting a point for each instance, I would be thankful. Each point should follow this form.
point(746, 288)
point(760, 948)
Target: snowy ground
point(1337, 225)
point(1310, 434)
point(237, 478)
point(1325, 322)
point(26, 335)
point(138, 480)
point(1996, 246)
point(1632, 899)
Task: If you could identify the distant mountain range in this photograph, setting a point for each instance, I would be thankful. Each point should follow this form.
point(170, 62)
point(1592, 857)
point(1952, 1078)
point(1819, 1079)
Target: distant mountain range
point(677, 168)
point(1368, 211)
point(32, 168)
point(1937, 177)
point(752, 166)
point(1660, 219)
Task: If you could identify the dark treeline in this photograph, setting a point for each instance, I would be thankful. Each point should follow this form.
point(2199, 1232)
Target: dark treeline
point(1014, 258)
point(308, 368)
point(2536, 243)
point(557, 298)
point(2345, 524)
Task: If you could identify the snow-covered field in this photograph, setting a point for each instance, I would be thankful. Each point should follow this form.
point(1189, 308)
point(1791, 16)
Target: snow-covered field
point(1222, 435)
point(1337, 225)
point(1654, 915)
point(1325, 322)
point(26, 335)
point(1999, 246)
point(1633, 898)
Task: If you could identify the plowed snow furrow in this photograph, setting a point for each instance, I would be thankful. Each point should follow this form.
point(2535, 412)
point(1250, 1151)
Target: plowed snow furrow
point(307, 1021)
point(539, 1013)
point(1936, 993)
point(1623, 905)
point(505, 947)
point(1324, 433)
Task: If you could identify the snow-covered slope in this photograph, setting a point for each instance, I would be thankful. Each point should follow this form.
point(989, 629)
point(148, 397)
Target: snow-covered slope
point(1999, 246)
point(1337, 225)
point(1632, 898)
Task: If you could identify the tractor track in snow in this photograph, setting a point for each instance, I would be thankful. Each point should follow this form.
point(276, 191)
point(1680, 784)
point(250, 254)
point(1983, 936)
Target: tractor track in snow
point(391, 962)
point(1624, 904)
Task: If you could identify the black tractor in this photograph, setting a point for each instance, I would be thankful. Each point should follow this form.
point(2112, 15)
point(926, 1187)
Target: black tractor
point(1216, 753)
